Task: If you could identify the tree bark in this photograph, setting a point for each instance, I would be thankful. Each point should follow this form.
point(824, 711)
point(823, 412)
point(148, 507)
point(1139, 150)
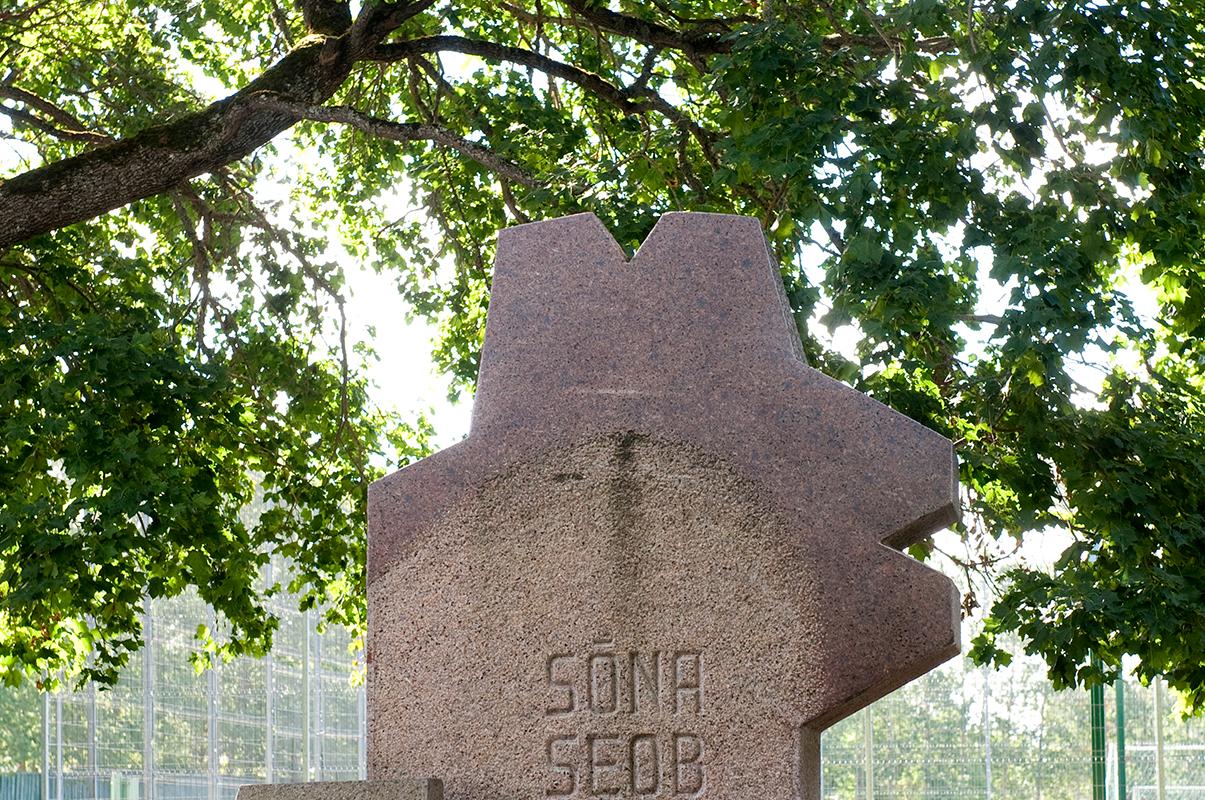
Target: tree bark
point(158, 158)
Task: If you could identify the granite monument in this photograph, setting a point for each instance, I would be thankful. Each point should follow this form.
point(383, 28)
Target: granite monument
point(667, 555)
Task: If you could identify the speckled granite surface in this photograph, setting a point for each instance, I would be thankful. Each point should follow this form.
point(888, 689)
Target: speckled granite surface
point(656, 568)
point(401, 789)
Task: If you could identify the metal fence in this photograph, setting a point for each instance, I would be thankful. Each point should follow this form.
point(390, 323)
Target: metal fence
point(968, 732)
point(165, 732)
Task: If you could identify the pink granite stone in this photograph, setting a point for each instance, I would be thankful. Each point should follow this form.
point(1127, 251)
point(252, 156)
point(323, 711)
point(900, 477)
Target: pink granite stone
point(662, 561)
point(401, 789)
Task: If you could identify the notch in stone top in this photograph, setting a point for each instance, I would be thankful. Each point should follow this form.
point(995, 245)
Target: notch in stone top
point(699, 304)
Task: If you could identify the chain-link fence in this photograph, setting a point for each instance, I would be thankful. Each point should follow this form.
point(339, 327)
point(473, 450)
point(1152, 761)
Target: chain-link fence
point(165, 732)
point(967, 732)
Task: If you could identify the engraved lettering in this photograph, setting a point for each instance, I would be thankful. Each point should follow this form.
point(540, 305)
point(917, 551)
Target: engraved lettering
point(688, 764)
point(603, 683)
point(591, 689)
point(644, 687)
point(688, 681)
point(644, 765)
point(564, 772)
point(559, 665)
point(605, 772)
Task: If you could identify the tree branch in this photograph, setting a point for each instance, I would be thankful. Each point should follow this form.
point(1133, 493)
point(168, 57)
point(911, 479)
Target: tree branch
point(523, 15)
point(34, 121)
point(405, 132)
point(492, 51)
point(700, 27)
point(378, 19)
point(987, 319)
point(706, 37)
point(630, 100)
point(70, 126)
point(281, 21)
point(717, 24)
point(888, 46)
point(160, 157)
point(834, 236)
point(697, 42)
point(326, 17)
point(9, 17)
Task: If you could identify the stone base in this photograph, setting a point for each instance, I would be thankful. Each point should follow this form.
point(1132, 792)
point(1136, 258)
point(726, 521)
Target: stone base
point(403, 789)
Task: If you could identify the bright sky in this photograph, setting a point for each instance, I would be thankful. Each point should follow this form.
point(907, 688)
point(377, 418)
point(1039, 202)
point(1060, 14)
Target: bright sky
point(405, 377)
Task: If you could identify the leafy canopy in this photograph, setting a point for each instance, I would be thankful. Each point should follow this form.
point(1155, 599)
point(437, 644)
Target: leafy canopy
point(999, 203)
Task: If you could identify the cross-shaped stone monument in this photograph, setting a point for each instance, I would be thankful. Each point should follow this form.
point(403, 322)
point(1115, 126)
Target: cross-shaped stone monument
point(662, 562)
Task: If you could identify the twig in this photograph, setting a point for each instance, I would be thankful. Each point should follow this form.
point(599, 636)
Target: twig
point(73, 127)
point(404, 132)
point(37, 122)
point(282, 22)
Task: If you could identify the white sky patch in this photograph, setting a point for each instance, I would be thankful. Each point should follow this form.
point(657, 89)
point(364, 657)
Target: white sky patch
point(207, 87)
point(15, 155)
point(404, 377)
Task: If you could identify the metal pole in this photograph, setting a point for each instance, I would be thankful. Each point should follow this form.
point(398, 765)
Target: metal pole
point(868, 750)
point(148, 701)
point(361, 731)
point(1160, 776)
point(212, 696)
point(58, 743)
point(45, 745)
point(1096, 697)
point(305, 690)
point(1120, 688)
point(320, 726)
point(93, 761)
point(987, 733)
point(269, 705)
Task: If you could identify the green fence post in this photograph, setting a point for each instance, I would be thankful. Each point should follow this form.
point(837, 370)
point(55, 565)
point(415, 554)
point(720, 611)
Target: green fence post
point(1097, 695)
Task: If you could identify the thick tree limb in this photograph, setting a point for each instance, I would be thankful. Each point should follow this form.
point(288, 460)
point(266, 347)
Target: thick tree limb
point(706, 37)
point(698, 42)
point(699, 27)
point(113, 174)
point(160, 157)
point(405, 132)
point(327, 17)
point(379, 19)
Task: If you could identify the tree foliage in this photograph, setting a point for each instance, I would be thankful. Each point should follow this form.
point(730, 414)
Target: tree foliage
point(999, 202)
